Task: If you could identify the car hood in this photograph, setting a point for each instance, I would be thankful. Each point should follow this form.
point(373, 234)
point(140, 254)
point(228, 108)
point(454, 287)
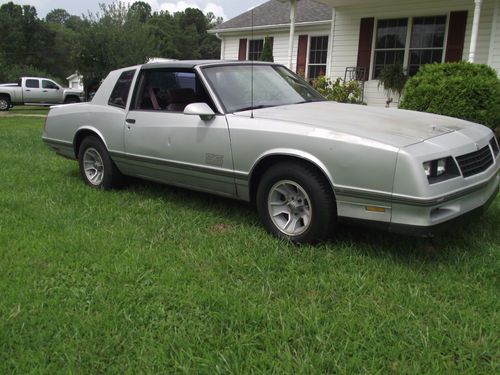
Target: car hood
point(394, 127)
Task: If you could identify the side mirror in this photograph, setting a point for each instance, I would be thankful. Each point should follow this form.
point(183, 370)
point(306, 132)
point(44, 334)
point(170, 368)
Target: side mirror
point(200, 109)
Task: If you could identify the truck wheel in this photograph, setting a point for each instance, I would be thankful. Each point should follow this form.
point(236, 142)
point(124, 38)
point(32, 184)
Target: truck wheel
point(4, 103)
point(71, 100)
point(296, 203)
point(96, 167)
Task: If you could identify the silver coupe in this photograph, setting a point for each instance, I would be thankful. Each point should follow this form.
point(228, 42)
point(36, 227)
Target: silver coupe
point(257, 132)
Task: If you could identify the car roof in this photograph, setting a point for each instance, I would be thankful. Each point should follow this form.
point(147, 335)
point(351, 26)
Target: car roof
point(189, 64)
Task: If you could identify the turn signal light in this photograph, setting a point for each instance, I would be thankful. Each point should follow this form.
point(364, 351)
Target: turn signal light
point(375, 209)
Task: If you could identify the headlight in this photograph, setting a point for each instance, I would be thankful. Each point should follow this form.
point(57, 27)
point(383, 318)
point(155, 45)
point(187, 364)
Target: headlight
point(440, 169)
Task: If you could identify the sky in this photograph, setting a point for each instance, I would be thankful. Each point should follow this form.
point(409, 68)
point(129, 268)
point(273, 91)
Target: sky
point(223, 8)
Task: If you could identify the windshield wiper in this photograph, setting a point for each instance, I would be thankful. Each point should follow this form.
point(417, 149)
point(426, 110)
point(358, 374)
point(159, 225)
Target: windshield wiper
point(310, 101)
point(254, 107)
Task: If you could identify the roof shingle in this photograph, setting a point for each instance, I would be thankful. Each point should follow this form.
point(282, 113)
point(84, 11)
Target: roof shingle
point(275, 12)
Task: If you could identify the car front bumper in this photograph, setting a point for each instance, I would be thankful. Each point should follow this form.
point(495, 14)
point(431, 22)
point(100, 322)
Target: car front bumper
point(430, 217)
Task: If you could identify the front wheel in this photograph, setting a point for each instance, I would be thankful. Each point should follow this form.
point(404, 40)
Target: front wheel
point(296, 203)
point(96, 167)
point(4, 104)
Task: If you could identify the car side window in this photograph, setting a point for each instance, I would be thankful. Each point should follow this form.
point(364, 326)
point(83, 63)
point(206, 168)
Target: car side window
point(120, 92)
point(49, 85)
point(32, 83)
point(169, 90)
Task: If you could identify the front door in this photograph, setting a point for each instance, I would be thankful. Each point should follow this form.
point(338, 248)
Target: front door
point(51, 92)
point(164, 144)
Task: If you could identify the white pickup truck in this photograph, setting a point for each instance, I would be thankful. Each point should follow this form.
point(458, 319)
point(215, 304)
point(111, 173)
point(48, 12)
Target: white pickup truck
point(37, 91)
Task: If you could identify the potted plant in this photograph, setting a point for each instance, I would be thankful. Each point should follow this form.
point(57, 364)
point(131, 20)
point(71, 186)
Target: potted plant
point(393, 79)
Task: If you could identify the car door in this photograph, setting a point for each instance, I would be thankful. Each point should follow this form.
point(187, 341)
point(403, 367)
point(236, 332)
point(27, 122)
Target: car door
point(164, 144)
point(32, 92)
point(51, 92)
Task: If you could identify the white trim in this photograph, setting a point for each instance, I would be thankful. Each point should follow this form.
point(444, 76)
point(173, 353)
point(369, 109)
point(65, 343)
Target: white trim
point(314, 34)
point(409, 30)
point(293, 14)
point(285, 26)
point(475, 30)
point(248, 45)
point(330, 44)
point(496, 19)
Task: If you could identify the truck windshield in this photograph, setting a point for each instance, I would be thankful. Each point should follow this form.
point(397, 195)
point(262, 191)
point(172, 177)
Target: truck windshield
point(272, 86)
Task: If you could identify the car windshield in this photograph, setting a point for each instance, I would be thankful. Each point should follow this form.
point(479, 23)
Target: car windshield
point(272, 86)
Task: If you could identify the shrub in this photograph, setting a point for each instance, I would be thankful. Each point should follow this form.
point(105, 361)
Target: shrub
point(393, 78)
point(340, 91)
point(463, 90)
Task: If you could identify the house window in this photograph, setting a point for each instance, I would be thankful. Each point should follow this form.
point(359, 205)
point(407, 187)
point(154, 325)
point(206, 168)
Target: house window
point(427, 42)
point(255, 48)
point(411, 46)
point(318, 53)
point(390, 43)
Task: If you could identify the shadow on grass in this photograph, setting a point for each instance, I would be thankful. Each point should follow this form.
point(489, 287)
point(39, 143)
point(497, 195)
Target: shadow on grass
point(362, 240)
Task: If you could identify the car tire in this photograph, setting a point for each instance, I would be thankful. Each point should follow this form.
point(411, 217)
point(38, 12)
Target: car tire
point(296, 202)
point(4, 104)
point(96, 167)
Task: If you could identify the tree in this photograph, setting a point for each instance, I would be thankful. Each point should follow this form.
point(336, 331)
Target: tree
point(267, 51)
point(116, 36)
point(59, 16)
point(112, 40)
point(141, 10)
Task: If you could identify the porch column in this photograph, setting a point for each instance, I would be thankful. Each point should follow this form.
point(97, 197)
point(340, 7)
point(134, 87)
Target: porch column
point(475, 30)
point(293, 10)
point(330, 47)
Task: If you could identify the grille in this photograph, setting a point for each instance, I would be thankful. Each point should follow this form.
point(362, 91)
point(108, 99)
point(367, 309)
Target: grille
point(475, 162)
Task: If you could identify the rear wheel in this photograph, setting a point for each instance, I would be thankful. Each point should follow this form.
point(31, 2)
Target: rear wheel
point(296, 203)
point(4, 103)
point(96, 167)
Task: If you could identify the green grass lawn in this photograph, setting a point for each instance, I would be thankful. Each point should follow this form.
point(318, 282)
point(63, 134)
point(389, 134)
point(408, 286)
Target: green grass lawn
point(154, 279)
point(29, 110)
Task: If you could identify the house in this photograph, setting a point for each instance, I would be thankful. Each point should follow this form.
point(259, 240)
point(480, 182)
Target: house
point(357, 38)
point(75, 81)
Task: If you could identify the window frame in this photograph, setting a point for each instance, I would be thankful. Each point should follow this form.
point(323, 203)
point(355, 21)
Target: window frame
point(198, 78)
point(249, 41)
point(110, 103)
point(32, 87)
point(328, 52)
point(56, 86)
point(406, 59)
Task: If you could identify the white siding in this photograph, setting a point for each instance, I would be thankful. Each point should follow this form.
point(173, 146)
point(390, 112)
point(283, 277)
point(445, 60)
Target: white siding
point(280, 43)
point(346, 36)
point(345, 48)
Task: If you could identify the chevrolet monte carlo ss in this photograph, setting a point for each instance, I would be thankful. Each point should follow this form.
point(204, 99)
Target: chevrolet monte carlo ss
point(258, 132)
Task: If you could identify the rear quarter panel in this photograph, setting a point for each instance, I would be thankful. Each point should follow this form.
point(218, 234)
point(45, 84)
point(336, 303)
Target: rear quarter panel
point(15, 93)
point(64, 122)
